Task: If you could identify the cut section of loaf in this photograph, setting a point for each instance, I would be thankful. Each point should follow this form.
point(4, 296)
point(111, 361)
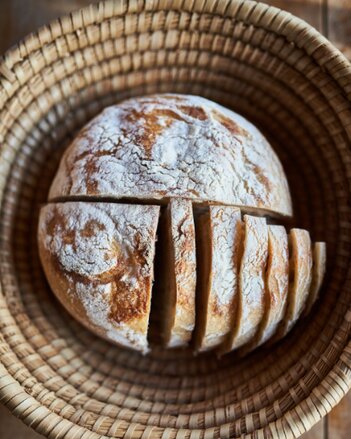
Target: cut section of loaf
point(169, 146)
point(300, 277)
point(277, 284)
point(178, 273)
point(98, 259)
point(318, 271)
point(251, 297)
point(219, 251)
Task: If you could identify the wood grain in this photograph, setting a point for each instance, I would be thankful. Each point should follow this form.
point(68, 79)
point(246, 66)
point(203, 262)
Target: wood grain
point(20, 17)
point(339, 420)
point(339, 26)
point(317, 432)
point(11, 427)
point(310, 10)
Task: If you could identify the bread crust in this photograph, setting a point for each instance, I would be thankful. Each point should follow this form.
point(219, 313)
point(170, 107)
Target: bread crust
point(169, 146)
point(300, 277)
point(318, 272)
point(182, 230)
point(277, 284)
point(98, 259)
point(225, 229)
point(173, 314)
point(231, 285)
point(251, 303)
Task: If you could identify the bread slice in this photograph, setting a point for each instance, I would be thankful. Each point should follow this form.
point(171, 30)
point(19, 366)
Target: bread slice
point(98, 259)
point(178, 272)
point(218, 257)
point(204, 240)
point(277, 283)
point(318, 272)
point(251, 297)
point(300, 277)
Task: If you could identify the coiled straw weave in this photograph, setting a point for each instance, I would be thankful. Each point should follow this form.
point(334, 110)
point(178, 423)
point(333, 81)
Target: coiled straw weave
point(262, 62)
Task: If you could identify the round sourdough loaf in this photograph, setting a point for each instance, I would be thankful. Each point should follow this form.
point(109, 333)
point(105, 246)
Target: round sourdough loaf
point(221, 277)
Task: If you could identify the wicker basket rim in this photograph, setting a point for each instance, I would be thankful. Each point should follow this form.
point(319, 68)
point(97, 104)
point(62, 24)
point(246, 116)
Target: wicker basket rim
point(305, 37)
point(106, 9)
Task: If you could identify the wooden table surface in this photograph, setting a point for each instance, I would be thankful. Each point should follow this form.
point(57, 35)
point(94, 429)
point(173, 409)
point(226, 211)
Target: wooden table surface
point(331, 17)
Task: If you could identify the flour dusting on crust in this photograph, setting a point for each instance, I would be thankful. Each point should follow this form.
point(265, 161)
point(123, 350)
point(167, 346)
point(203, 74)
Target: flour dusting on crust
point(164, 146)
point(104, 253)
point(252, 280)
point(183, 237)
point(226, 224)
point(277, 282)
point(81, 238)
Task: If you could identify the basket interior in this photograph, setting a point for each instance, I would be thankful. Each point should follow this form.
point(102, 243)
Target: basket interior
point(245, 62)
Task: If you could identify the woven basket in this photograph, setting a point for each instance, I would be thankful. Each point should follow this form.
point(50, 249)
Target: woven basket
point(262, 62)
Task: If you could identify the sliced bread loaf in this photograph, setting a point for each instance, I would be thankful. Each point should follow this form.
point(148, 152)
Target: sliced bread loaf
point(98, 259)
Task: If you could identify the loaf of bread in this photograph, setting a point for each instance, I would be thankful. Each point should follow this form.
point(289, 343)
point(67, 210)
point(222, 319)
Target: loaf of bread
point(155, 230)
point(98, 259)
point(173, 146)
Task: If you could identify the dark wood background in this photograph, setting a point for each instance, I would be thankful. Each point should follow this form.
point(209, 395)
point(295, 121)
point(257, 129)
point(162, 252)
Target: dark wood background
point(331, 17)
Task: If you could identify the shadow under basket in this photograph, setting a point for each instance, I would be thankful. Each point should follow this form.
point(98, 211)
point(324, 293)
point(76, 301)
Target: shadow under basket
point(283, 76)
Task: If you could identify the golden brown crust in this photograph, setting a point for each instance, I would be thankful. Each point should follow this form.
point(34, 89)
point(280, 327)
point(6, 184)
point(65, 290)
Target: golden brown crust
point(88, 251)
point(204, 244)
point(300, 277)
point(176, 149)
point(318, 272)
point(180, 319)
point(173, 146)
point(276, 285)
point(230, 124)
point(152, 126)
point(252, 290)
point(222, 288)
point(98, 258)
